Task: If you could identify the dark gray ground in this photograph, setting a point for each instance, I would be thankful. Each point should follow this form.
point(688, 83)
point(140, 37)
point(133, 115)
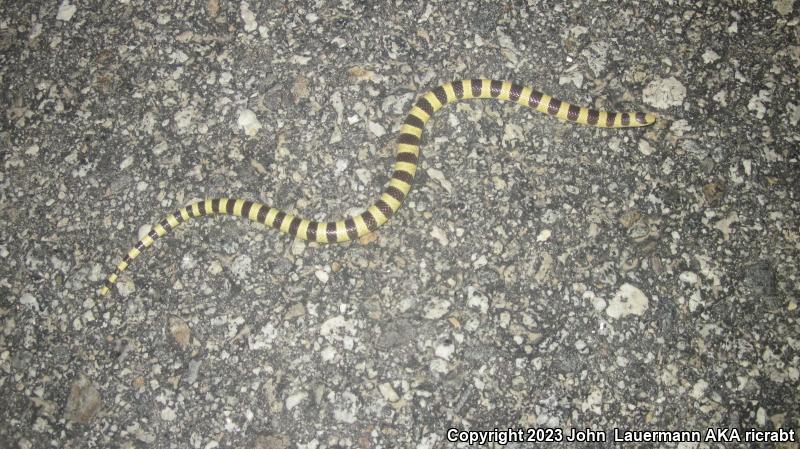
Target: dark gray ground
point(541, 274)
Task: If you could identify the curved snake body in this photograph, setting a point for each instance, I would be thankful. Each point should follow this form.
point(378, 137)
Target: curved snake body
point(405, 167)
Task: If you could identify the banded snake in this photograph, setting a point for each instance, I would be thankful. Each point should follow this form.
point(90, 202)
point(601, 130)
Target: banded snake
point(405, 167)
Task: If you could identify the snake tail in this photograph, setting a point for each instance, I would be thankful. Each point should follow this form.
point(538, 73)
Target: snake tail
point(405, 167)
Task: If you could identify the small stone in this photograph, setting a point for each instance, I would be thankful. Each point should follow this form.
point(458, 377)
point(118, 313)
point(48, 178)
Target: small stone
point(322, 276)
point(663, 93)
point(710, 56)
point(784, 7)
point(713, 192)
point(376, 128)
point(436, 309)
point(439, 366)
point(167, 414)
point(628, 300)
point(544, 235)
point(761, 417)
point(388, 392)
point(272, 442)
point(242, 266)
point(645, 148)
point(440, 236)
point(180, 332)
point(295, 311)
point(184, 118)
point(66, 11)
point(689, 277)
point(444, 350)
point(756, 104)
point(248, 122)
point(331, 324)
point(300, 88)
point(83, 402)
point(29, 300)
point(293, 400)
point(215, 267)
point(477, 300)
point(699, 389)
point(438, 176)
point(298, 247)
point(299, 60)
point(212, 7)
point(160, 148)
point(248, 17)
point(724, 225)
point(127, 162)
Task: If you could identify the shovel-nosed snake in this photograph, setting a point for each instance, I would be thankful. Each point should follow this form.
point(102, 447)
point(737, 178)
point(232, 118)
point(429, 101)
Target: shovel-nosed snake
point(405, 166)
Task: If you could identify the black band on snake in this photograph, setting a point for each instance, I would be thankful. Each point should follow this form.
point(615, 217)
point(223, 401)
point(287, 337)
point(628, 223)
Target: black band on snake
point(405, 167)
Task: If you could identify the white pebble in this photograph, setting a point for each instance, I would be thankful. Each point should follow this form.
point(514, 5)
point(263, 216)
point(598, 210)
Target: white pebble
point(331, 324)
point(436, 309)
point(761, 417)
point(480, 262)
point(168, 414)
point(444, 351)
point(341, 165)
point(376, 128)
point(439, 366)
point(544, 235)
point(127, 162)
point(665, 92)
point(440, 236)
point(160, 148)
point(66, 11)
point(784, 7)
point(364, 175)
point(710, 56)
point(328, 353)
point(699, 389)
point(299, 60)
point(242, 266)
point(689, 277)
point(628, 300)
point(248, 122)
point(477, 300)
point(388, 392)
point(438, 176)
point(645, 148)
point(184, 117)
point(248, 17)
point(293, 400)
point(215, 267)
point(29, 300)
point(322, 275)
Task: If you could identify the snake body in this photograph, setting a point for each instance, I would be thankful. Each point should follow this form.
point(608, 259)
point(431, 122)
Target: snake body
point(405, 166)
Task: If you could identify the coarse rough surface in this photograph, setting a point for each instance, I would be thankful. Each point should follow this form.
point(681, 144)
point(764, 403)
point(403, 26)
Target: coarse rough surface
point(483, 303)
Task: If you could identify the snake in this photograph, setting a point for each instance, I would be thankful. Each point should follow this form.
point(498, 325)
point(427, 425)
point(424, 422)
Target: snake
point(404, 170)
